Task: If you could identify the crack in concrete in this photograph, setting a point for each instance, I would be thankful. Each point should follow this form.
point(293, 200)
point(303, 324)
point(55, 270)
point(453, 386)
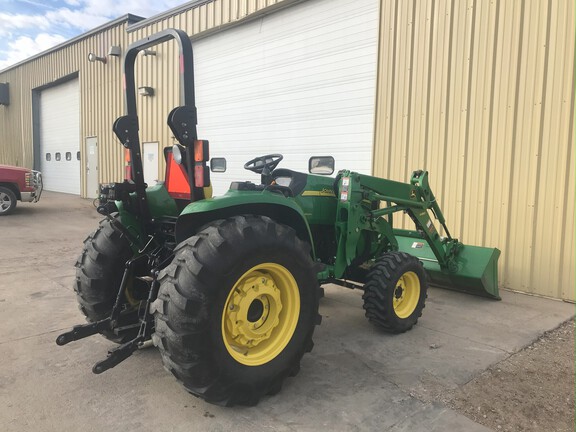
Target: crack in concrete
point(34, 335)
point(378, 372)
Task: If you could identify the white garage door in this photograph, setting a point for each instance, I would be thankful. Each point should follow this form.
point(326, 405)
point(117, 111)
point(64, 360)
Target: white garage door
point(60, 137)
point(301, 82)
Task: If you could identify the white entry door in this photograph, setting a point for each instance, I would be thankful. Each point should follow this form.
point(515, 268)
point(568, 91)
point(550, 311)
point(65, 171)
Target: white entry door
point(91, 155)
point(150, 162)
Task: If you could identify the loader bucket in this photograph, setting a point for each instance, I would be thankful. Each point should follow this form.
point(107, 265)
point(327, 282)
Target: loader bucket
point(477, 271)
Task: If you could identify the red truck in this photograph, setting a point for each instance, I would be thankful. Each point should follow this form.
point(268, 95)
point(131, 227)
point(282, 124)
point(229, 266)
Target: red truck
point(18, 183)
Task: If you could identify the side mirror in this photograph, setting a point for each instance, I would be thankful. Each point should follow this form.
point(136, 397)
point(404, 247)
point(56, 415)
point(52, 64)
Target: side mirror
point(323, 165)
point(218, 165)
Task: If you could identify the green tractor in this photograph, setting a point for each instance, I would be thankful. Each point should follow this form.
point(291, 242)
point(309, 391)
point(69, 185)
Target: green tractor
point(228, 287)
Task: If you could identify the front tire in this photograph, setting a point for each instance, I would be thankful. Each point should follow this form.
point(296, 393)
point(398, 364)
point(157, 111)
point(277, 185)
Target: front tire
point(237, 309)
point(395, 292)
point(7, 201)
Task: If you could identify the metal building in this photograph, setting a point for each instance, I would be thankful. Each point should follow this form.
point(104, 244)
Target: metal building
point(57, 88)
point(478, 92)
point(481, 93)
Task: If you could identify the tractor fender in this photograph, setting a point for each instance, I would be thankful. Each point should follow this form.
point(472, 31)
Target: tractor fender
point(272, 205)
point(160, 205)
point(129, 225)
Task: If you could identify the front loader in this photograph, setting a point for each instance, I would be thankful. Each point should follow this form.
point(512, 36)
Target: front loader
point(228, 287)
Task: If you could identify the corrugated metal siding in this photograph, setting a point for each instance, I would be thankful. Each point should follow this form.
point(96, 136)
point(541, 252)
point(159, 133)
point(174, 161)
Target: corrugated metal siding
point(12, 150)
point(481, 94)
point(102, 101)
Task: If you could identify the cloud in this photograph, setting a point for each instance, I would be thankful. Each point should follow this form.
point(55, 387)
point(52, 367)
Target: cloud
point(10, 22)
point(39, 4)
point(79, 19)
point(24, 47)
point(23, 35)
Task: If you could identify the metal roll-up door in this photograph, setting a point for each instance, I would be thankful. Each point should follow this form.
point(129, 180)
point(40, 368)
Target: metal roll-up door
point(300, 81)
point(60, 137)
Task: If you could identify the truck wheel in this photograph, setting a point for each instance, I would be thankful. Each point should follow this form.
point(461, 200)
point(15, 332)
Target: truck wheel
point(395, 292)
point(99, 271)
point(7, 201)
point(236, 309)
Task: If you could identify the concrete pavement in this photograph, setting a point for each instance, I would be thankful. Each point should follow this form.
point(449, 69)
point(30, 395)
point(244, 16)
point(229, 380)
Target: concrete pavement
point(356, 378)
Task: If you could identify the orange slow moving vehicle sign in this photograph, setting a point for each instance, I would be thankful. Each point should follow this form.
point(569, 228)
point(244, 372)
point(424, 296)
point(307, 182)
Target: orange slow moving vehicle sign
point(176, 179)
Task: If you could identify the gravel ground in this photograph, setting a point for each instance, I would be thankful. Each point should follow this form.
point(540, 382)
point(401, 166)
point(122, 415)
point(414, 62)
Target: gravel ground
point(532, 390)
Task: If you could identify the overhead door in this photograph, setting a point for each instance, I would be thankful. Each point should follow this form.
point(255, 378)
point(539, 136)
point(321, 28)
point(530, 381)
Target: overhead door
point(300, 82)
point(60, 137)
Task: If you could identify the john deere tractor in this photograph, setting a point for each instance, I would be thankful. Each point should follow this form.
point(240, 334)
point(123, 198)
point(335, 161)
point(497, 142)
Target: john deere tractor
point(228, 287)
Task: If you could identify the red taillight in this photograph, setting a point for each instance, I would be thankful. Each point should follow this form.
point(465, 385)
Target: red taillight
point(201, 172)
point(201, 151)
point(127, 165)
point(200, 179)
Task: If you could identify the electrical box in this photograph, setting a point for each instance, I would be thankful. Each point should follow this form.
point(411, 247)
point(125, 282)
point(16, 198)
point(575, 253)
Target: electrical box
point(4, 94)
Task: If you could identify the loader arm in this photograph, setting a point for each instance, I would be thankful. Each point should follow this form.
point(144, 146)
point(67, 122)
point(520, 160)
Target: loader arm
point(364, 230)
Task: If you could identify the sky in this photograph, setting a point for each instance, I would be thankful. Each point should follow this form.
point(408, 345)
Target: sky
point(28, 27)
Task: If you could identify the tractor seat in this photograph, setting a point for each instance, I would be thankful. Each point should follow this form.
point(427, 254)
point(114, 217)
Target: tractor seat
point(287, 182)
point(246, 186)
point(293, 180)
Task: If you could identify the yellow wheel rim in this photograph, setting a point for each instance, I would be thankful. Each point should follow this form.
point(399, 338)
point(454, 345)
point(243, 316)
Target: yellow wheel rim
point(406, 294)
point(129, 296)
point(260, 314)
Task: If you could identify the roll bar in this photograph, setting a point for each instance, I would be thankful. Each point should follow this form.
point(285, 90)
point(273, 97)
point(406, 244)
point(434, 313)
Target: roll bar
point(182, 120)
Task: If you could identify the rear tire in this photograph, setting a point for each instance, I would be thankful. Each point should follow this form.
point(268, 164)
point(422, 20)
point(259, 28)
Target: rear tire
point(7, 201)
point(236, 310)
point(395, 292)
point(99, 272)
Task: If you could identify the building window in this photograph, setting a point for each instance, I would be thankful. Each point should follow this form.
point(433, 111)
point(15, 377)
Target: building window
point(68, 156)
point(57, 156)
point(48, 157)
point(78, 155)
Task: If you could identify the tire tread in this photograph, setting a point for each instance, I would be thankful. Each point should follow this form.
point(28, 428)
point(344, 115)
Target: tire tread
point(185, 298)
point(99, 271)
point(379, 288)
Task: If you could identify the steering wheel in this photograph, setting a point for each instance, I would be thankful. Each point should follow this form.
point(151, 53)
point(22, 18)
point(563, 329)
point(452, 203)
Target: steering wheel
point(259, 164)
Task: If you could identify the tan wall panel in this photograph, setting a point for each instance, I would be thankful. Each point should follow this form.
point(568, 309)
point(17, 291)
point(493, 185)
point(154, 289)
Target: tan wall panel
point(11, 124)
point(481, 94)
